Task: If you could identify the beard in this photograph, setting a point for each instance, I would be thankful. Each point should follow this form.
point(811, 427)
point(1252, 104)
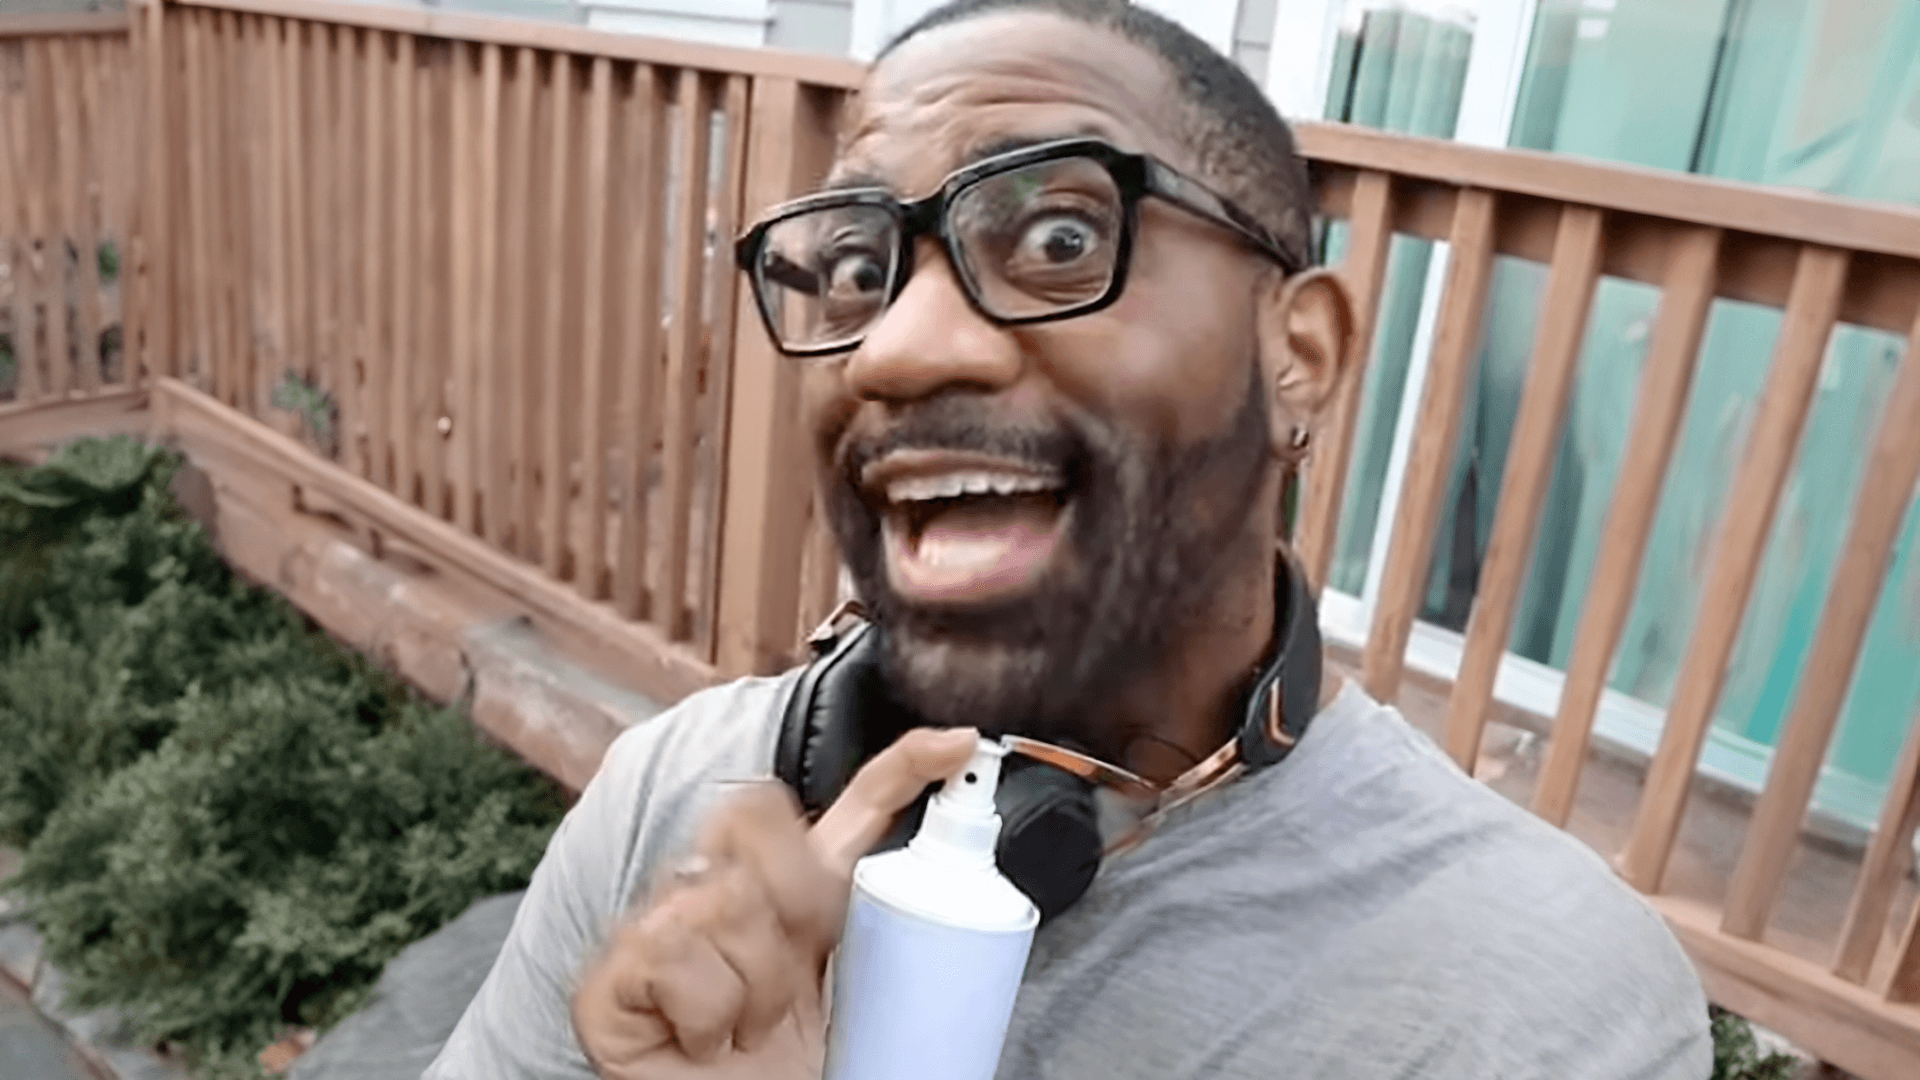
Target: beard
point(1153, 531)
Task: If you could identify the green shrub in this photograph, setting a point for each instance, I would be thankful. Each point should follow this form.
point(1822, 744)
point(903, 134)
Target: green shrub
point(1737, 1056)
point(230, 823)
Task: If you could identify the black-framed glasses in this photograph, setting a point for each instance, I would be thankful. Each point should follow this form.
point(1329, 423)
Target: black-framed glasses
point(1037, 234)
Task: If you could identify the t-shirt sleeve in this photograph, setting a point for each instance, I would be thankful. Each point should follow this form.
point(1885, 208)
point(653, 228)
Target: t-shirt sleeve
point(646, 801)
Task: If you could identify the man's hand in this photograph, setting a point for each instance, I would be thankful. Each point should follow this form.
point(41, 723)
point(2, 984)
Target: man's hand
point(720, 975)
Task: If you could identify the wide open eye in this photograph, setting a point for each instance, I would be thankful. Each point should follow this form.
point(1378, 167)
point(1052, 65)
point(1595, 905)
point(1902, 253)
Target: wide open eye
point(1040, 238)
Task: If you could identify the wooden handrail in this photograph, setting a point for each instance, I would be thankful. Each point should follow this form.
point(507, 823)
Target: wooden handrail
point(64, 22)
point(810, 68)
point(1810, 217)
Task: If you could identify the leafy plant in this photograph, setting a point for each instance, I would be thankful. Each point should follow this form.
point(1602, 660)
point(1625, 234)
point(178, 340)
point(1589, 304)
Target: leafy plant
point(1738, 1056)
point(230, 823)
point(108, 257)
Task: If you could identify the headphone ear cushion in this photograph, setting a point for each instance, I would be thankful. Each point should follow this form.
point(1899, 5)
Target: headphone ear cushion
point(1049, 834)
point(839, 716)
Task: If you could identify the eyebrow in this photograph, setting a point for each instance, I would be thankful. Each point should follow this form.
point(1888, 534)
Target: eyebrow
point(978, 152)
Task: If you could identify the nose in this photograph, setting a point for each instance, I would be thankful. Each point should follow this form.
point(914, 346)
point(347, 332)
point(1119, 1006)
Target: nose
point(931, 339)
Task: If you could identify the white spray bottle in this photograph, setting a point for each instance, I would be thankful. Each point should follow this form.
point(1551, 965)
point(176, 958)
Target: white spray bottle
point(935, 944)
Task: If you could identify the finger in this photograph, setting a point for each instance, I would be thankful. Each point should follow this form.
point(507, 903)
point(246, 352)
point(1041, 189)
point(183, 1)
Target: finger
point(613, 1015)
point(762, 830)
point(695, 990)
point(883, 787)
point(770, 966)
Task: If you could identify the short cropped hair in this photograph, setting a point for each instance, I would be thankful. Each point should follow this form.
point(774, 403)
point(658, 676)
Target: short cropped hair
point(1239, 143)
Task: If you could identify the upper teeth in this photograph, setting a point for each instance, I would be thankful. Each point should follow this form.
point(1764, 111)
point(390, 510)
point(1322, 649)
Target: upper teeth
point(954, 484)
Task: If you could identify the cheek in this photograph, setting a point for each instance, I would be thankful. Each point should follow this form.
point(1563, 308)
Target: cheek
point(1169, 359)
point(826, 408)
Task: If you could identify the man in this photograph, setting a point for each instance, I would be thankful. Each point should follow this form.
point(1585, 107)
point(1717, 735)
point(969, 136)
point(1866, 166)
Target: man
point(1054, 388)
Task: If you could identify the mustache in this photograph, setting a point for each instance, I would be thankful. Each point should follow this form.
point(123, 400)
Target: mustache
point(962, 422)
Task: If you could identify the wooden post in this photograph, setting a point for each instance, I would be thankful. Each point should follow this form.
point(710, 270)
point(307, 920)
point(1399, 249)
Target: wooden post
point(762, 531)
point(1456, 342)
point(1529, 472)
point(1814, 303)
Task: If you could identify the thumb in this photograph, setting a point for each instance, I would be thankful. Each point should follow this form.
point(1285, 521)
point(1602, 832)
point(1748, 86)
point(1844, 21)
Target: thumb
point(883, 787)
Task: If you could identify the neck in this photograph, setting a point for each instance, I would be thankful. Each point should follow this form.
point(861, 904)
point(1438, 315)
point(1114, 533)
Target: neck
point(1188, 705)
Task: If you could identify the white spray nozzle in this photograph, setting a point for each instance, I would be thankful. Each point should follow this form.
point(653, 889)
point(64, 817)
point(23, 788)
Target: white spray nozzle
point(971, 789)
point(960, 824)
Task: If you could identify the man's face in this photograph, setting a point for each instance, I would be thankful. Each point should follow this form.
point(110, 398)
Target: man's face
point(1035, 513)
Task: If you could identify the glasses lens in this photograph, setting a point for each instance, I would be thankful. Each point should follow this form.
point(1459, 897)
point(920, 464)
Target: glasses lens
point(824, 275)
point(1039, 239)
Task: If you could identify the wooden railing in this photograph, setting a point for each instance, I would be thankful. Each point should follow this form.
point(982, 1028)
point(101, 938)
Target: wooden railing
point(478, 270)
point(1822, 261)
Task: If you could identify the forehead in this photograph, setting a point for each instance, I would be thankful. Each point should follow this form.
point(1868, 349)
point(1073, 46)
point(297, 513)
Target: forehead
point(949, 96)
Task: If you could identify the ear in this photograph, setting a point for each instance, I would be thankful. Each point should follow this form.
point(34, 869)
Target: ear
point(1306, 347)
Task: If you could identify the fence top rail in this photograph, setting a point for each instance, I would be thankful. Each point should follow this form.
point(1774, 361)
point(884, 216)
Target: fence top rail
point(827, 71)
point(1808, 217)
point(64, 22)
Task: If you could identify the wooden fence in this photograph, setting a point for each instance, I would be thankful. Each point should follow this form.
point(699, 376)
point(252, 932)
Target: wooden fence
point(479, 271)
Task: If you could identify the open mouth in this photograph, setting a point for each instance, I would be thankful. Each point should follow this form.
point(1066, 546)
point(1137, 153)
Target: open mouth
point(965, 528)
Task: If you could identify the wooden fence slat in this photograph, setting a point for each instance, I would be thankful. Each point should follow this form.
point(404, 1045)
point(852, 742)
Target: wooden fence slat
point(1369, 241)
point(276, 357)
point(1659, 409)
point(63, 211)
point(694, 101)
point(148, 263)
point(300, 338)
point(762, 529)
point(509, 523)
point(350, 204)
point(640, 335)
point(322, 216)
point(1456, 340)
point(1903, 983)
point(591, 547)
point(1886, 491)
point(554, 470)
point(1889, 856)
point(432, 294)
point(13, 248)
point(1571, 279)
point(199, 210)
point(88, 197)
point(1742, 538)
point(376, 350)
point(402, 419)
point(482, 429)
point(71, 287)
point(223, 240)
point(464, 243)
point(721, 288)
point(31, 163)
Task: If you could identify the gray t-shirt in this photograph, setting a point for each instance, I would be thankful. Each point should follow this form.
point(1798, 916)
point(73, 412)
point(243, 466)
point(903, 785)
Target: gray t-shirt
point(1363, 909)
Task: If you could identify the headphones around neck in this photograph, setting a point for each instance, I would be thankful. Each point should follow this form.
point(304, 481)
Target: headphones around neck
point(841, 714)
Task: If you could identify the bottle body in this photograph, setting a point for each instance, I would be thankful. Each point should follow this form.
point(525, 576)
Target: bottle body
point(918, 995)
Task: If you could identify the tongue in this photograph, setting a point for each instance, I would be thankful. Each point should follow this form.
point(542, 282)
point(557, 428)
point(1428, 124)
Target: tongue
point(984, 542)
